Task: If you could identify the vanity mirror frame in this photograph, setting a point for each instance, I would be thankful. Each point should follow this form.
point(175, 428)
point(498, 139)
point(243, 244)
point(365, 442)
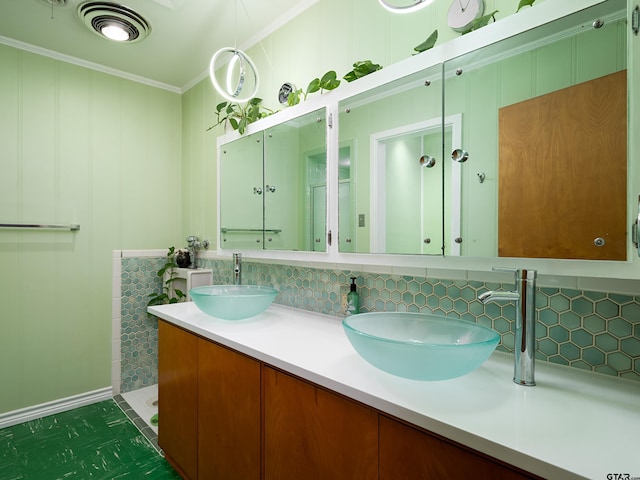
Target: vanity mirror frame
point(511, 26)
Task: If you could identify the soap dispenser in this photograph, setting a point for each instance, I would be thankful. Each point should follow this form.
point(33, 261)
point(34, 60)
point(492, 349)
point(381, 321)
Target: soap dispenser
point(353, 299)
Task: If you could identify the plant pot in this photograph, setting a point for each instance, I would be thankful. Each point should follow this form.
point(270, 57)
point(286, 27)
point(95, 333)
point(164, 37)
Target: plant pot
point(182, 258)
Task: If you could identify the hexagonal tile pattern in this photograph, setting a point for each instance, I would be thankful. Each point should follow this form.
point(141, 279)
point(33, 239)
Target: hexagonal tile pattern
point(138, 331)
point(583, 329)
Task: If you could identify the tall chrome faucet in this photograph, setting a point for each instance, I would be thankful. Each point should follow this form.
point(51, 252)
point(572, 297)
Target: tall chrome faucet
point(237, 269)
point(524, 296)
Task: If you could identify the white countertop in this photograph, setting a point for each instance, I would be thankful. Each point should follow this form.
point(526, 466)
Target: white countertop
point(572, 424)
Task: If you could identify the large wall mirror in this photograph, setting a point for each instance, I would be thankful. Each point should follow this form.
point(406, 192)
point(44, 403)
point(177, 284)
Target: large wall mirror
point(273, 186)
point(528, 158)
point(517, 150)
point(391, 188)
point(544, 123)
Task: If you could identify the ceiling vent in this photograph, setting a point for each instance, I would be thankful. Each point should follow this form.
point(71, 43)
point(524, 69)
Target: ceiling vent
point(113, 21)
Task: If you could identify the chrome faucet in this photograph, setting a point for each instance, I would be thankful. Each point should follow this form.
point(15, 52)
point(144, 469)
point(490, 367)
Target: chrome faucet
point(237, 269)
point(194, 245)
point(524, 296)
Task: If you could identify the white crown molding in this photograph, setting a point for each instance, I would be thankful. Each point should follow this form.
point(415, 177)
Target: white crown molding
point(83, 63)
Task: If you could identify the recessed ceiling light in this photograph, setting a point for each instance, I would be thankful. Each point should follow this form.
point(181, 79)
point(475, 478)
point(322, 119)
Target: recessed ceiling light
point(113, 21)
point(115, 32)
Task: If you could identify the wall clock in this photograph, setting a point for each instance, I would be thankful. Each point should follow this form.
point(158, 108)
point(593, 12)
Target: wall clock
point(462, 13)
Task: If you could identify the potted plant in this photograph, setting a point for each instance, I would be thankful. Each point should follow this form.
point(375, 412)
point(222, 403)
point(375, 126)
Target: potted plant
point(168, 294)
point(361, 69)
point(239, 116)
point(329, 81)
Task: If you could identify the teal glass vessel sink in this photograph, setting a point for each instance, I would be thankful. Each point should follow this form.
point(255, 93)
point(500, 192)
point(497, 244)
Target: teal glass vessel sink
point(420, 346)
point(233, 302)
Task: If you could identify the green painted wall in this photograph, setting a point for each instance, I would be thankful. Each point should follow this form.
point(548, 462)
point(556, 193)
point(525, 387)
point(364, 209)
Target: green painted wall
point(199, 167)
point(76, 146)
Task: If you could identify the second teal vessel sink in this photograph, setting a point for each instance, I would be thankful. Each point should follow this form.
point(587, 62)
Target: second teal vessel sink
point(420, 346)
point(233, 302)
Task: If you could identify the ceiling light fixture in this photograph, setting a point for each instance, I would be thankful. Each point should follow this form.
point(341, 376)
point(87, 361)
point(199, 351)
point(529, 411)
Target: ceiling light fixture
point(404, 6)
point(113, 21)
point(115, 32)
point(235, 75)
point(238, 86)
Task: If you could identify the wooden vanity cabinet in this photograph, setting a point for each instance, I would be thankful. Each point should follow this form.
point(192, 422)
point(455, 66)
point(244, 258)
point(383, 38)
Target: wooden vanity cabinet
point(311, 433)
point(178, 398)
point(209, 406)
point(411, 454)
point(228, 414)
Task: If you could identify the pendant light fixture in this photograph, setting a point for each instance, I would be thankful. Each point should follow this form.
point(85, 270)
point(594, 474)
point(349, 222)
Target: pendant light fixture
point(233, 73)
point(404, 6)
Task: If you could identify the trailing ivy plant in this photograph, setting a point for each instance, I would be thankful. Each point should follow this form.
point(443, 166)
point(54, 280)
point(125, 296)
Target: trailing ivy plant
point(525, 3)
point(361, 69)
point(329, 81)
point(239, 116)
point(482, 21)
point(164, 297)
point(427, 44)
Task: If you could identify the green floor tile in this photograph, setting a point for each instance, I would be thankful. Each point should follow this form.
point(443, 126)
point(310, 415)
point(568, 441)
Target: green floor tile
point(92, 442)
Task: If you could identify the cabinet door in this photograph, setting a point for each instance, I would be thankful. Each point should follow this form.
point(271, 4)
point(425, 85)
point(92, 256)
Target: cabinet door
point(177, 397)
point(294, 163)
point(310, 433)
point(241, 193)
point(408, 453)
point(228, 414)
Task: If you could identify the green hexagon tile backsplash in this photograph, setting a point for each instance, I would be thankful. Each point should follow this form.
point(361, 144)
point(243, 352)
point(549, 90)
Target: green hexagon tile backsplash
point(584, 329)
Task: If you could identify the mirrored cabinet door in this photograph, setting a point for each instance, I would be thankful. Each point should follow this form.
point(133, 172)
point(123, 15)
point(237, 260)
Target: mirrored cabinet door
point(391, 170)
point(545, 133)
point(295, 176)
point(273, 187)
point(241, 193)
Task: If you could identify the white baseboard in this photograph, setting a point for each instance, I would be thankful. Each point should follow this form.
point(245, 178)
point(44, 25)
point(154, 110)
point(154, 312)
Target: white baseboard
point(57, 406)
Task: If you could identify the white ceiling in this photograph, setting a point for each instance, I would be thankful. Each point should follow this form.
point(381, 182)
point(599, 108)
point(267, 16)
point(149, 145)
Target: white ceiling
point(184, 33)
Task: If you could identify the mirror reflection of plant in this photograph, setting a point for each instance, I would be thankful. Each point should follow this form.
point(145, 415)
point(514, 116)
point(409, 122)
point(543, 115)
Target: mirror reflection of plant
point(362, 69)
point(239, 116)
point(329, 81)
point(427, 44)
point(164, 297)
